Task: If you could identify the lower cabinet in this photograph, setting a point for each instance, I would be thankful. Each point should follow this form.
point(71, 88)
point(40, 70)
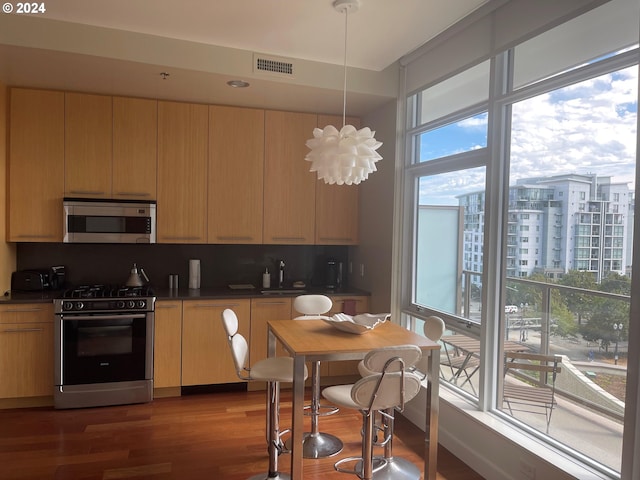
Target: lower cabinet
point(206, 358)
point(167, 346)
point(191, 344)
point(26, 350)
point(360, 303)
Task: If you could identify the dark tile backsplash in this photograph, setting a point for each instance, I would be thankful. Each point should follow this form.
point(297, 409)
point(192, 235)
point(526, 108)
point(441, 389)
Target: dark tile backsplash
point(220, 264)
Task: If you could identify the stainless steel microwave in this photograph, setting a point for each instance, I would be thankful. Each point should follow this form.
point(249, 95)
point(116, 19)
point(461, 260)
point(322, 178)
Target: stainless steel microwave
point(88, 220)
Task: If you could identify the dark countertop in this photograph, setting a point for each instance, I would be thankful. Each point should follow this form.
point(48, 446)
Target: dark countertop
point(214, 293)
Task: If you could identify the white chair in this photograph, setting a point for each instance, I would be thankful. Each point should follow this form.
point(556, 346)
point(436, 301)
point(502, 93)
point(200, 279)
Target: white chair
point(384, 391)
point(395, 467)
point(316, 444)
point(433, 329)
point(271, 370)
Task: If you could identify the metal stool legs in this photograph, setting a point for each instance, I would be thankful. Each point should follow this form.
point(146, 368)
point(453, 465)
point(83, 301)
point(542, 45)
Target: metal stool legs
point(366, 467)
point(393, 468)
point(318, 444)
point(274, 444)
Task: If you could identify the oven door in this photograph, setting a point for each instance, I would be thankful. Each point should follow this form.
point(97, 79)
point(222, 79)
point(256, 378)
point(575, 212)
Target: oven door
point(103, 348)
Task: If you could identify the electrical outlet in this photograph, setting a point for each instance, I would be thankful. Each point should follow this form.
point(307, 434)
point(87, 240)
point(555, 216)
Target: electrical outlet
point(527, 470)
point(362, 270)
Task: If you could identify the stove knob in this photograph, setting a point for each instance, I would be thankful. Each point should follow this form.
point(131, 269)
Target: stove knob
point(131, 304)
point(120, 304)
point(67, 306)
point(142, 304)
point(79, 305)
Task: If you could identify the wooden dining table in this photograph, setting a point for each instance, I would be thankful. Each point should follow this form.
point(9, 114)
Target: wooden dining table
point(316, 340)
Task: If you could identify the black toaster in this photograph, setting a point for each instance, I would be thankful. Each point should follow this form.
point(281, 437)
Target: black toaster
point(37, 279)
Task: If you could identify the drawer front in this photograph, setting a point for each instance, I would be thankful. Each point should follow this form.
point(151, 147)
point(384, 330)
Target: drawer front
point(26, 313)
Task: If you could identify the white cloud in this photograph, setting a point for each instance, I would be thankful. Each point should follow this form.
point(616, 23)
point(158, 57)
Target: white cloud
point(589, 127)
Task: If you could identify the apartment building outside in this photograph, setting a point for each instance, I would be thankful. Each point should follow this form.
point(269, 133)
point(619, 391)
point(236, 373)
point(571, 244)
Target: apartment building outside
point(556, 224)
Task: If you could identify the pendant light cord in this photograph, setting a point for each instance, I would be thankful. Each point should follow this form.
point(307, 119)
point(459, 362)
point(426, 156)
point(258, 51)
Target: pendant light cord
point(344, 94)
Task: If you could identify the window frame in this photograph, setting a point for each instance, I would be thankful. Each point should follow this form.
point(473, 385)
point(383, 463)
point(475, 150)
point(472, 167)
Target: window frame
point(495, 159)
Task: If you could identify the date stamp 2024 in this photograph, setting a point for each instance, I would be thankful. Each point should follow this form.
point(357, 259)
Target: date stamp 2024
point(20, 8)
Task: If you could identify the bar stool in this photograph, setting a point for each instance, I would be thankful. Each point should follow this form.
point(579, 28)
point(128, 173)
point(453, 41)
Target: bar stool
point(382, 392)
point(271, 370)
point(397, 468)
point(316, 444)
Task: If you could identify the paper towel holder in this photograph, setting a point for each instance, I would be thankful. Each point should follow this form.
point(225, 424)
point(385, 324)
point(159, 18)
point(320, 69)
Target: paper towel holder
point(194, 274)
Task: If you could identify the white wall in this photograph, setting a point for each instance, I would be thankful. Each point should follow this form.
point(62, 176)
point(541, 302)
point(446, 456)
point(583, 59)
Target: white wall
point(376, 216)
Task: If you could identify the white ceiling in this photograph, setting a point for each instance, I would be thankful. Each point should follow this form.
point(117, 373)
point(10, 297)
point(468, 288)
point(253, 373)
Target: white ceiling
point(117, 46)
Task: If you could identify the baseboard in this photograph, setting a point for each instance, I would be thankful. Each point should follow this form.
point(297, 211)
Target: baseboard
point(26, 402)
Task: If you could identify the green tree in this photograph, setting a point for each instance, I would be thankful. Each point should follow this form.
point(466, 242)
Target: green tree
point(607, 312)
point(579, 303)
point(563, 323)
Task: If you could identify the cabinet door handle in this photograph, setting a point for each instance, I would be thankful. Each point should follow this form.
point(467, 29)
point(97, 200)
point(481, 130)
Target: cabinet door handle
point(337, 239)
point(28, 309)
point(22, 330)
point(86, 192)
point(271, 303)
point(181, 238)
point(216, 305)
point(289, 239)
point(166, 306)
point(35, 236)
point(134, 194)
point(247, 237)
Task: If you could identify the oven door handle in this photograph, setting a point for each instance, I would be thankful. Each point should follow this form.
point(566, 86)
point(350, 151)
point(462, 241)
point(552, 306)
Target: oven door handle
point(104, 317)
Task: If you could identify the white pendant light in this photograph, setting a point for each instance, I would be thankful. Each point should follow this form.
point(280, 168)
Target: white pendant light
point(349, 155)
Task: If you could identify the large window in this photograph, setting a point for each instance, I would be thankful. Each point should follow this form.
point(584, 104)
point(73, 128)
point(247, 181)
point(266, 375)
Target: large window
point(522, 215)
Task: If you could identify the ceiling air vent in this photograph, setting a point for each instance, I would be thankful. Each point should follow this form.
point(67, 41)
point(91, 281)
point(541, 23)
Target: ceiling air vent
point(281, 67)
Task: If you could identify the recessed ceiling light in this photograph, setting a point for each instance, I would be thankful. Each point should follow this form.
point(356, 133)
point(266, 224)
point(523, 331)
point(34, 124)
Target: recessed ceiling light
point(238, 83)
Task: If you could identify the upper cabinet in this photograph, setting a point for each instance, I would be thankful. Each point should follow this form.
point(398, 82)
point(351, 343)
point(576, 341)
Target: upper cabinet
point(88, 126)
point(135, 141)
point(236, 174)
point(35, 166)
point(220, 174)
point(336, 205)
point(289, 186)
point(182, 172)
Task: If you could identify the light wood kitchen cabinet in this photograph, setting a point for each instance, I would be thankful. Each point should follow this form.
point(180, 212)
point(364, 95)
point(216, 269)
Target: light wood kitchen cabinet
point(289, 186)
point(35, 166)
point(135, 146)
point(361, 305)
point(336, 205)
point(236, 175)
point(26, 350)
point(167, 344)
point(88, 137)
point(182, 172)
point(206, 357)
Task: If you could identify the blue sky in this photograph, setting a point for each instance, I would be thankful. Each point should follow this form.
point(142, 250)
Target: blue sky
point(589, 127)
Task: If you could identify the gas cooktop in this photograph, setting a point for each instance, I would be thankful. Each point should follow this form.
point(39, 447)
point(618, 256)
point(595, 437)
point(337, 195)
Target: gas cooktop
point(107, 291)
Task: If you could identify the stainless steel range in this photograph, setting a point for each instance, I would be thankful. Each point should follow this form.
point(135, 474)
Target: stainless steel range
point(103, 346)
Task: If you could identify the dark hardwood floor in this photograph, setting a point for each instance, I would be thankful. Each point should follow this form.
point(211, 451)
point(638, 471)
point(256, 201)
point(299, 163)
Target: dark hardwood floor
point(203, 436)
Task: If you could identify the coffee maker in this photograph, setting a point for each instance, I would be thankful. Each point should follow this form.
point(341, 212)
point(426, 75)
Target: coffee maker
point(333, 274)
